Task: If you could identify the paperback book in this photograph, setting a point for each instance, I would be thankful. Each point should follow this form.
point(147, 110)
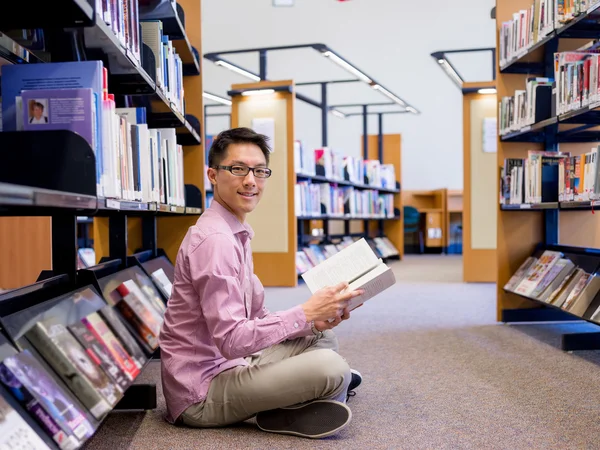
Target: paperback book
point(356, 264)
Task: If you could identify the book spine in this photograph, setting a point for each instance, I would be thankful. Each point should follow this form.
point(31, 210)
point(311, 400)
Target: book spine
point(49, 425)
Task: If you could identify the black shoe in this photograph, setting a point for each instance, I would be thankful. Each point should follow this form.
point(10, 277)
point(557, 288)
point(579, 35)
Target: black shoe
point(354, 383)
point(317, 419)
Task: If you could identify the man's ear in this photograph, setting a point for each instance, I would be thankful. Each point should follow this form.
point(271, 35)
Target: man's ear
point(212, 175)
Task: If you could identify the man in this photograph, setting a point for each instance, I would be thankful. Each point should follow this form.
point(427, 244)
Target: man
point(226, 358)
point(38, 111)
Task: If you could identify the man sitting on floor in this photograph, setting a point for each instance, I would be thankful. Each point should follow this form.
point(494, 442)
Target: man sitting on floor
point(226, 358)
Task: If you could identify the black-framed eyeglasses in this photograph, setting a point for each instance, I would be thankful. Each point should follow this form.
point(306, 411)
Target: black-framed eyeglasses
point(242, 171)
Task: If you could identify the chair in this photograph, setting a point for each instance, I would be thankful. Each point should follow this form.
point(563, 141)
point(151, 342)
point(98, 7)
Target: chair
point(412, 224)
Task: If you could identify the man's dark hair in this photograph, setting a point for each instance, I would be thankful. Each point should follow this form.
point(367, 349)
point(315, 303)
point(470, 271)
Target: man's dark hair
point(218, 150)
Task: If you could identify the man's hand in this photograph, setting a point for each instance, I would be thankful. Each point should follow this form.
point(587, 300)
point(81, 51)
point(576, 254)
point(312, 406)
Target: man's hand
point(329, 302)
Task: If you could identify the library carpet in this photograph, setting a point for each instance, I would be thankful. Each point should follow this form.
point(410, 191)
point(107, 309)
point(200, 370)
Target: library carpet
point(439, 372)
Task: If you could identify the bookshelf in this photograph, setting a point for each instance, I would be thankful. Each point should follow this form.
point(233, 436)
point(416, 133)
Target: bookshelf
point(524, 227)
point(53, 180)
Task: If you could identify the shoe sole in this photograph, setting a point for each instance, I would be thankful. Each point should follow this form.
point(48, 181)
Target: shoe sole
point(314, 420)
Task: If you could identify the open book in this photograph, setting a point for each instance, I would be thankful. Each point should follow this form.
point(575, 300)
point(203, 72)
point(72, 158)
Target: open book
point(359, 266)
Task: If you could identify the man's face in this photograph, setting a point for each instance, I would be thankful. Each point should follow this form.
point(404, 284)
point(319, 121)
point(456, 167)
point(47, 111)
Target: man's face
point(240, 194)
point(37, 112)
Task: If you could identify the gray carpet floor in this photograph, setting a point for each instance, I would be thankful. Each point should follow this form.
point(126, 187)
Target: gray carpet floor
point(439, 372)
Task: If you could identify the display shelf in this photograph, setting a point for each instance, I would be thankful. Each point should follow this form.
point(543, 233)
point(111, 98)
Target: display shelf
point(58, 299)
point(323, 179)
point(587, 259)
point(530, 206)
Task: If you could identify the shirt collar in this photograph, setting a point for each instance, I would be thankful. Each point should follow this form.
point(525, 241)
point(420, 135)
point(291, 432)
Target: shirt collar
point(233, 222)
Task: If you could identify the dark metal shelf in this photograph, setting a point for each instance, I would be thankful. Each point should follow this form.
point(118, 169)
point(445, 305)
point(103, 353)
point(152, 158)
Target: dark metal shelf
point(530, 206)
point(579, 205)
point(323, 179)
point(531, 133)
point(13, 195)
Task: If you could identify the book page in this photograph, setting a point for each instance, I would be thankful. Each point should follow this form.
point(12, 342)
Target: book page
point(354, 260)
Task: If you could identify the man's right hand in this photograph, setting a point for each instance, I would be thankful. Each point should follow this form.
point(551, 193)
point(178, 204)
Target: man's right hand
point(329, 302)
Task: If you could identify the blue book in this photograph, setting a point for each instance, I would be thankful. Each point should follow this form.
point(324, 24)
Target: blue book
point(59, 75)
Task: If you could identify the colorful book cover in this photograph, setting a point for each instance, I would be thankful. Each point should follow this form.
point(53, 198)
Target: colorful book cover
point(69, 359)
point(98, 353)
point(111, 317)
point(102, 332)
point(31, 384)
point(61, 109)
point(15, 432)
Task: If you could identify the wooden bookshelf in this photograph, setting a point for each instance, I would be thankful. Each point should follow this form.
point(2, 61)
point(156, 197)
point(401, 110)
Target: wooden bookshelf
point(432, 204)
point(392, 154)
point(519, 231)
point(480, 196)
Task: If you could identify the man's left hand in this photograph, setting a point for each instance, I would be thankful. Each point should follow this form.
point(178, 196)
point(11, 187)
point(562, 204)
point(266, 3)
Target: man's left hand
point(323, 325)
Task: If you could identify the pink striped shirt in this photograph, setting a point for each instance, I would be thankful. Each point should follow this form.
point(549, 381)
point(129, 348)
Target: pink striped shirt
point(216, 315)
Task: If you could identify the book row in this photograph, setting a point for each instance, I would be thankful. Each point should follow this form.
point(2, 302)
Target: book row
point(576, 85)
point(531, 25)
point(75, 360)
point(313, 254)
point(336, 166)
point(123, 18)
point(550, 177)
point(133, 161)
point(526, 107)
point(315, 199)
point(558, 281)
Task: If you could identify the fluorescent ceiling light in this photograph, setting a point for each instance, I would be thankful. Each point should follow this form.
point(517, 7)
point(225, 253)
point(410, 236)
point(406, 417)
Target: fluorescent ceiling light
point(346, 65)
point(451, 72)
point(259, 92)
point(216, 98)
point(388, 94)
point(237, 69)
point(337, 113)
point(487, 91)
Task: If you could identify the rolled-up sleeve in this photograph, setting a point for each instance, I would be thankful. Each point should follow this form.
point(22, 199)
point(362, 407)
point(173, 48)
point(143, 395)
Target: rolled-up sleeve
point(214, 269)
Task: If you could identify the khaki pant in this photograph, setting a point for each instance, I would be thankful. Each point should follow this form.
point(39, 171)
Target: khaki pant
point(285, 374)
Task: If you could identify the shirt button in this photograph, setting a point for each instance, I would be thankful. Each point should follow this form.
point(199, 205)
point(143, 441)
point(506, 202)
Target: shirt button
point(295, 324)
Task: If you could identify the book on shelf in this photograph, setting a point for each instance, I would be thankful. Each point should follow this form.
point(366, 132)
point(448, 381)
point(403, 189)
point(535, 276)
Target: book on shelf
point(555, 279)
point(311, 255)
point(334, 165)
point(15, 432)
point(100, 356)
point(68, 358)
point(105, 336)
point(133, 162)
point(356, 264)
point(53, 407)
point(526, 107)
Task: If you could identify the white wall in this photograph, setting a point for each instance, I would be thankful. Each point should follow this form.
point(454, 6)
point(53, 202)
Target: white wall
point(390, 40)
